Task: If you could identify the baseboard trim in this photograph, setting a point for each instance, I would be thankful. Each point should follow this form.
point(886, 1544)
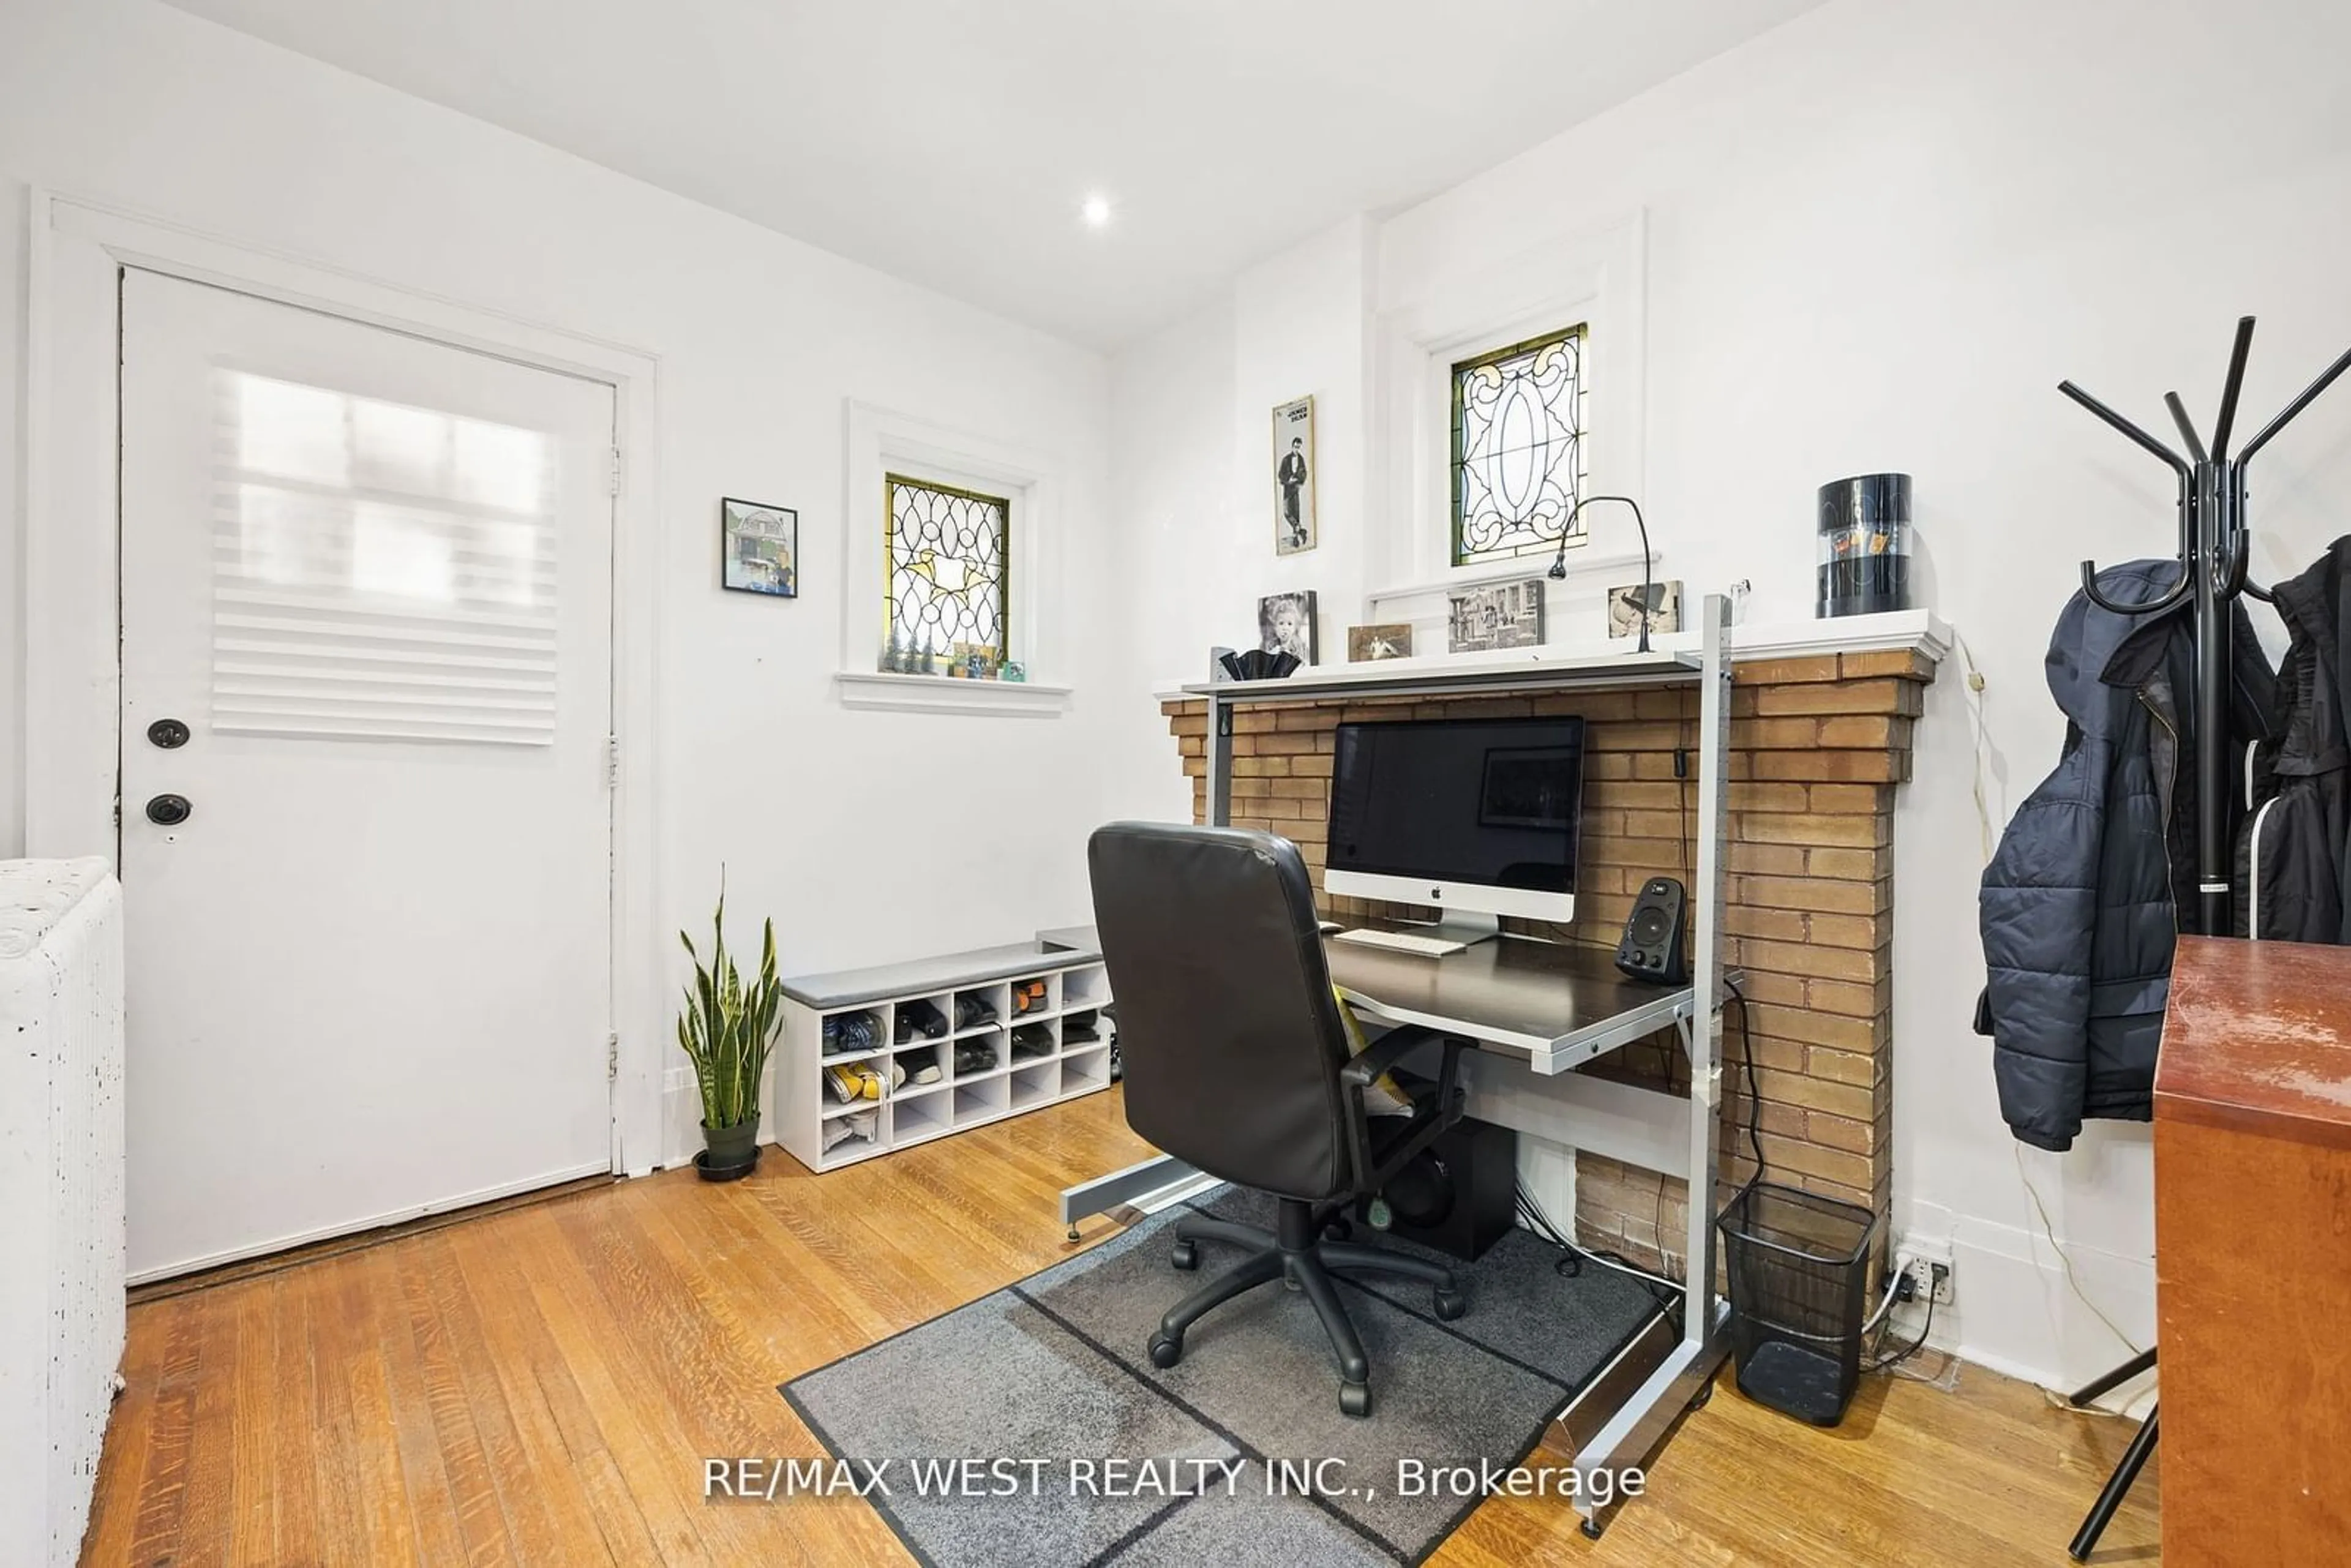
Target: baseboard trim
point(356, 1241)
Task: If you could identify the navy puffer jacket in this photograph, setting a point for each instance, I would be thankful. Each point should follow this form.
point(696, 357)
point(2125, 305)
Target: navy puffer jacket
point(2096, 873)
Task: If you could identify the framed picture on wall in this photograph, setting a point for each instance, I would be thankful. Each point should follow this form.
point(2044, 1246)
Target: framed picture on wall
point(1285, 624)
point(1293, 477)
point(759, 548)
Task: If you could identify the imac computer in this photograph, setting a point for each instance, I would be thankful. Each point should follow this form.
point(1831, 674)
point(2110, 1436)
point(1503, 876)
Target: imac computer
point(1478, 817)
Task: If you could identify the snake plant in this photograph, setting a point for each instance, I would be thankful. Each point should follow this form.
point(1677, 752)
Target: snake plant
point(727, 1027)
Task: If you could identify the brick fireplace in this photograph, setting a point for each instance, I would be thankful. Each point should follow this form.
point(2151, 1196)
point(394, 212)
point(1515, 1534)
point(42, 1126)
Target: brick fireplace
point(1819, 744)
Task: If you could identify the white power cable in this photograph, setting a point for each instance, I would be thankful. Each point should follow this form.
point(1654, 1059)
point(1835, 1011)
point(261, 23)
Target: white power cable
point(1893, 1283)
point(1983, 739)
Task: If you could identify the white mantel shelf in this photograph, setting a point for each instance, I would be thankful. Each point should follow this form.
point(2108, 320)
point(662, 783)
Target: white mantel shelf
point(1674, 656)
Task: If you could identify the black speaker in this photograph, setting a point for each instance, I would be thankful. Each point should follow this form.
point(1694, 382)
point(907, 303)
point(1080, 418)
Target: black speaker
point(1458, 1195)
point(1652, 948)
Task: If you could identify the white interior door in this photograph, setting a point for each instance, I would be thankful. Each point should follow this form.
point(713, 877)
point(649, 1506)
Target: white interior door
point(368, 576)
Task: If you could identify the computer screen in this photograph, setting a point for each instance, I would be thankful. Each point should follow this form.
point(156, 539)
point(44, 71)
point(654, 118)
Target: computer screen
point(1490, 802)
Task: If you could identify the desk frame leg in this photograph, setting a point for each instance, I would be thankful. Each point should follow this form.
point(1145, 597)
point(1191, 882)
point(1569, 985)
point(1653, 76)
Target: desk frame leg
point(1120, 1188)
point(1641, 1421)
point(1688, 1368)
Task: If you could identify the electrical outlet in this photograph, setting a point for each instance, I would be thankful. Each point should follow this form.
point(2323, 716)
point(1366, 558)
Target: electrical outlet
point(1930, 1268)
point(677, 1079)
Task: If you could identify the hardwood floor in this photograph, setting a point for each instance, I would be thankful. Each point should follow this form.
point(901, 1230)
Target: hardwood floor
point(539, 1385)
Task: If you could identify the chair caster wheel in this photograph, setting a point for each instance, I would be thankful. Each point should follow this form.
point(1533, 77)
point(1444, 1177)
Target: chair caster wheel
point(1705, 1393)
point(1591, 1528)
point(1186, 1257)
point(1338, 1229)
point(1166, 1350)
point(1450, 1304)
point(1355, 1399)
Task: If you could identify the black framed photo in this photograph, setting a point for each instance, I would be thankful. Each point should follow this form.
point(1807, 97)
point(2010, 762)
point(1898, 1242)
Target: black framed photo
point(759, 548)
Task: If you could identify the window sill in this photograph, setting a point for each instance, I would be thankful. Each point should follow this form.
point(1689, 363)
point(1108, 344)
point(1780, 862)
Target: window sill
point(946, 693)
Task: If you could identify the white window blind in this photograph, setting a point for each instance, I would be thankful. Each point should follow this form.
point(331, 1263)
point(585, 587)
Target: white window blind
point(380, 571)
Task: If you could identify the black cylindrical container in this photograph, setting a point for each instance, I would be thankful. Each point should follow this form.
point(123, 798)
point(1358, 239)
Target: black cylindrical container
point(1865, 554)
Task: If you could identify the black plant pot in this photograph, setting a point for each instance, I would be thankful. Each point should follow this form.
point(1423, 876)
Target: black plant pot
point(729, 1154)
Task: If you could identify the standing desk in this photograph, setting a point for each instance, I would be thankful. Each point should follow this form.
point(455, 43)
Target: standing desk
point(1537, 1010)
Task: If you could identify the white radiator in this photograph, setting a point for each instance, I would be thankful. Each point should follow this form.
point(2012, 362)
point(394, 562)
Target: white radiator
point(61, 1205)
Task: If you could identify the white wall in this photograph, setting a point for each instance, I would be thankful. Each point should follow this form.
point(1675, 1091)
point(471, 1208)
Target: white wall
point(869, 836)
point(1877, 239)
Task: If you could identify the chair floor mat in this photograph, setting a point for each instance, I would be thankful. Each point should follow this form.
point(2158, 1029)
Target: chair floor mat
point(1230, 1454)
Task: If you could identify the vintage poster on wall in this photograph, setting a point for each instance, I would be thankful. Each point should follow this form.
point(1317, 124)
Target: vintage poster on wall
point(1293, 477)
point(1497, 615)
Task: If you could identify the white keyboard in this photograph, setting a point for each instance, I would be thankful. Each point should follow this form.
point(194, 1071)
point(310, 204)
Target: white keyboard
point(1402, 941)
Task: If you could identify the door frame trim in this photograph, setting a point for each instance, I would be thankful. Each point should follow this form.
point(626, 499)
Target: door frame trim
point(71, 510)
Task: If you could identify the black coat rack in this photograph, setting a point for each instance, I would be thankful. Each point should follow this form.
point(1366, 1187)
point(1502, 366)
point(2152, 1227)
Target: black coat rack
point(2215, 546)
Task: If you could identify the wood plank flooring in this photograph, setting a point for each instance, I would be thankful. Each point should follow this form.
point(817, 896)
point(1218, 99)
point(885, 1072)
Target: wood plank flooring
point(539, 1385)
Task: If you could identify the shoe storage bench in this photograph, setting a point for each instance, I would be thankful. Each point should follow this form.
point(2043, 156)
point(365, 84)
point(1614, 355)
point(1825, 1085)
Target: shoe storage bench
point(877, 1015)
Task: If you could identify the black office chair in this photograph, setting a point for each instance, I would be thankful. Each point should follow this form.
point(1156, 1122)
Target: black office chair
point(1236, 1061)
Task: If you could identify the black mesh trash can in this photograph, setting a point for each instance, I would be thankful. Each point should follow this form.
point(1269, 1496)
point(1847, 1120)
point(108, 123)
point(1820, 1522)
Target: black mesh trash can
point(1799, 1266)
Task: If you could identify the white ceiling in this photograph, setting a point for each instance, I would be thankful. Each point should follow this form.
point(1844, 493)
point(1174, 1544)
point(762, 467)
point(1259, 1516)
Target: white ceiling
point(952, 142)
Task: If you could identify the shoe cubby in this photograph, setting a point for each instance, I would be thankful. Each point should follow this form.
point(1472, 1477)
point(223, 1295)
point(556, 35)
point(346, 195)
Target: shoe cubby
point(981, 1008)
point(973, 994)
point(1082, 988)
point(1083, 1028)
point(982, 1055)
point(911, 1060)
point(844, 1028)
point(910, 1089)
point(982, 1100)
point(1035, 1041)
point(1036, 1085)
point(1034, 997)
point(923, 1117)
point(869, 1067)
point(910, 1018)
point(1085, 1070)
point(851, 1136)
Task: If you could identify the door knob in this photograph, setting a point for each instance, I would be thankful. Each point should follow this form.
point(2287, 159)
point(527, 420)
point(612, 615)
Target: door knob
point(169, 810)
point(168, 733)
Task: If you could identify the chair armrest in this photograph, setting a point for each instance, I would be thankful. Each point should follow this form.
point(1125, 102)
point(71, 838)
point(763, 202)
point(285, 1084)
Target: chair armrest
point(1437, 1112)
point(1382, 1055)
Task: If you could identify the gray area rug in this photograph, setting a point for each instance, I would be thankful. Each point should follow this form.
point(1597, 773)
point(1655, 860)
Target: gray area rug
point(1089, 1454)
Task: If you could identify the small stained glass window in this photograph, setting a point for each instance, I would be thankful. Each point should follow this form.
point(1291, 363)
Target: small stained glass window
point(1518, 461)
point(947, 561)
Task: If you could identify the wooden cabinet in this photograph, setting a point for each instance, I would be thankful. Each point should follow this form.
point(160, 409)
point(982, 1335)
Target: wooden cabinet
point(2252, 1206)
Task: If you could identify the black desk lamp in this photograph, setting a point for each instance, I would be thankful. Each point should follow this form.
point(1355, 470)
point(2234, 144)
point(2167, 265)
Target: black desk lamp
point(1559, 561)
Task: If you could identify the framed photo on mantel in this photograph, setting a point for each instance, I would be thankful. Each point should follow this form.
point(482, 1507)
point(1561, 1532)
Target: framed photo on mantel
point(1496, 615)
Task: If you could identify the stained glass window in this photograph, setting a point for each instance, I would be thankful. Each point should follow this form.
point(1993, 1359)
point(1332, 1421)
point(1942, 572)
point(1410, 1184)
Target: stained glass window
point(947, 557)
point(1518, 447)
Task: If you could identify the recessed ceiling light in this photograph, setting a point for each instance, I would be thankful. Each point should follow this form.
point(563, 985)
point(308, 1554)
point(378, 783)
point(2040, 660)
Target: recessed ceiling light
point(1096, 212)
